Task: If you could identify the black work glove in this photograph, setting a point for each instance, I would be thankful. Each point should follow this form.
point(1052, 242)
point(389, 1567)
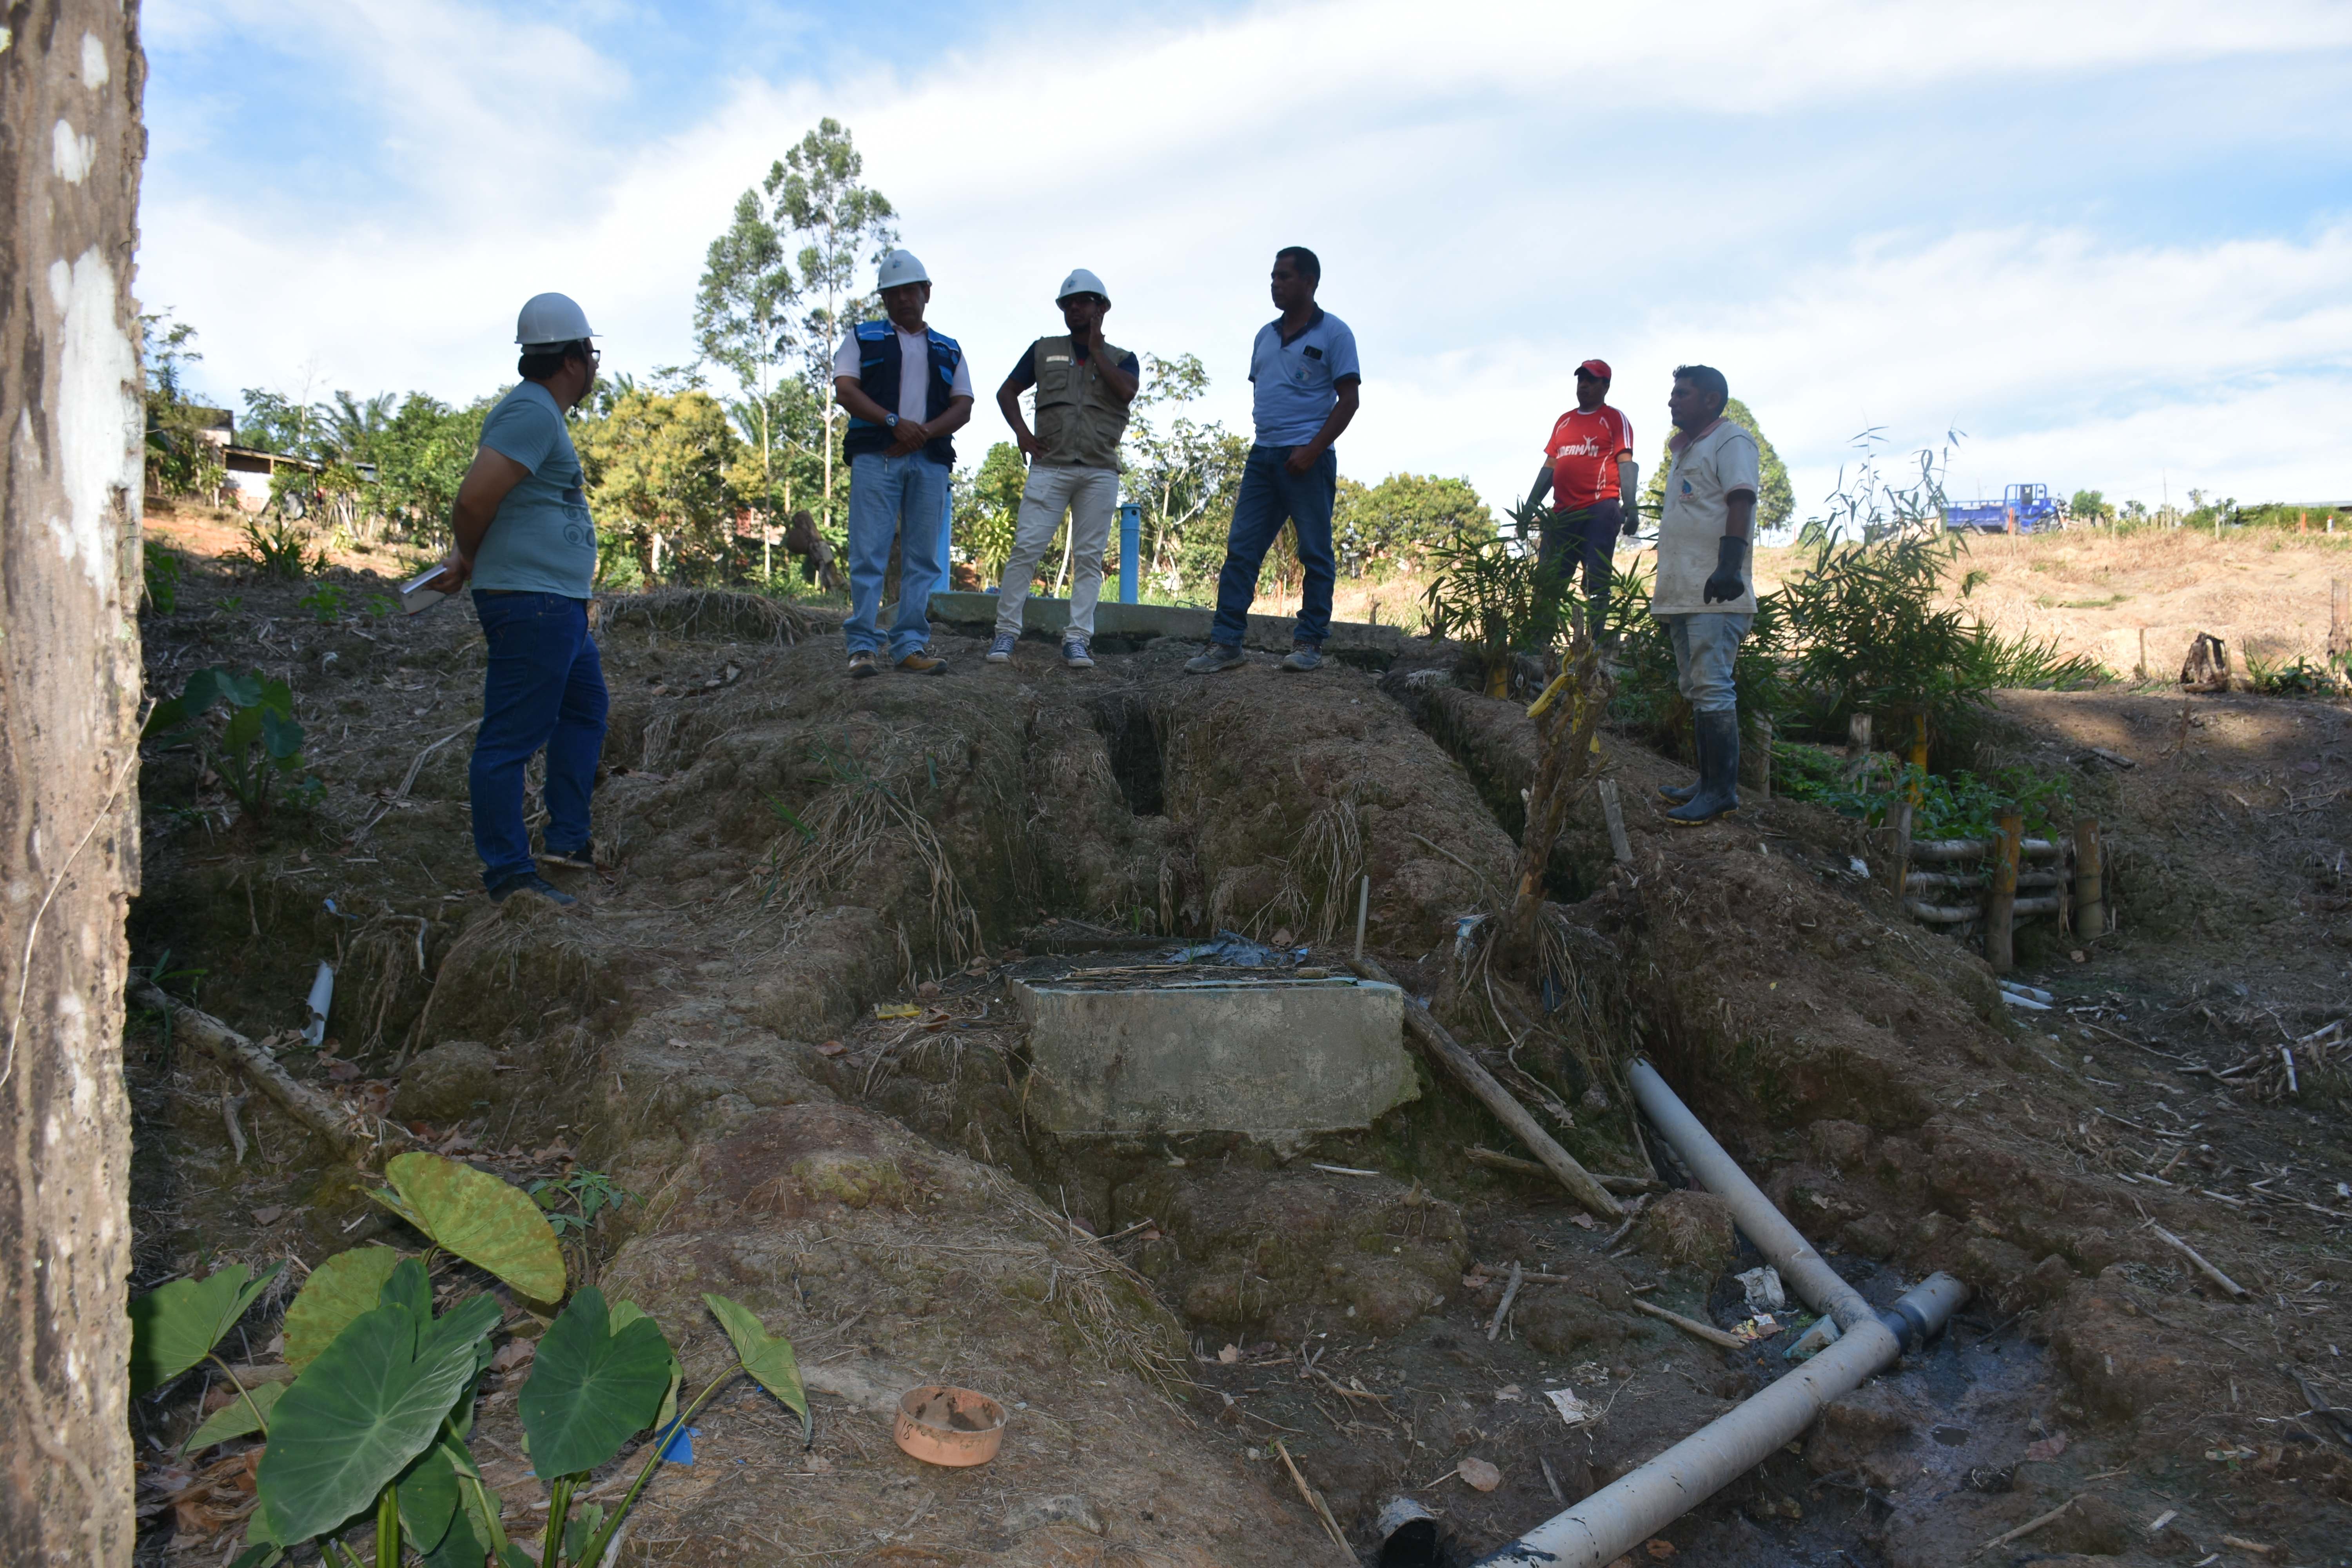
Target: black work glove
point(1731, 556)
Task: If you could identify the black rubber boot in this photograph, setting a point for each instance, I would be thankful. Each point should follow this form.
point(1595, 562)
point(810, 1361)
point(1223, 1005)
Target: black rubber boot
point(1718, 778)
point(1677, 794)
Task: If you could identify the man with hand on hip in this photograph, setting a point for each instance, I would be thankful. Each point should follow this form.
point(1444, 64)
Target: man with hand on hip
point(1704, 593)
point(908, 390)
point(1304, 380)
point(521, 535)
point(1083, 386)
point(1583, 469)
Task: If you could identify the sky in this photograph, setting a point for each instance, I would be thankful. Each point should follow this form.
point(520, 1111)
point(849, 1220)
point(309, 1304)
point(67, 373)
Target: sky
point(2104, 245)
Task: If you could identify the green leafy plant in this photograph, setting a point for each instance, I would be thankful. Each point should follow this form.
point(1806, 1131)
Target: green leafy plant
point(260, 746)
point(589, 1194)
point(2301, 678)
point(325, 602)
point(1959, 805)
point(1488, 592)
point(380, 606)
point(372, 1432)
point(162, 569)
point(280, 549)
point(230, 604)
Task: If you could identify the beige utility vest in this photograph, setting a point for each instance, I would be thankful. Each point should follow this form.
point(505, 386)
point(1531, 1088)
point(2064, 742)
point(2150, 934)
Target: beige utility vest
point(1078, 421)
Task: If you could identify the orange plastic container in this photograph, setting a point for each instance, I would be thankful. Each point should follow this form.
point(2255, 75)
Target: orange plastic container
point(943, 1425)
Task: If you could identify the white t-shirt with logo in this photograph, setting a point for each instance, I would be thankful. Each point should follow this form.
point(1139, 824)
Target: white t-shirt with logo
point(1705, 472)
point(914, 371)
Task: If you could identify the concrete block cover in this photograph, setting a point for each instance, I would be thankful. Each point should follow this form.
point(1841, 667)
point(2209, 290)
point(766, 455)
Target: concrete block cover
point(1274, 1058)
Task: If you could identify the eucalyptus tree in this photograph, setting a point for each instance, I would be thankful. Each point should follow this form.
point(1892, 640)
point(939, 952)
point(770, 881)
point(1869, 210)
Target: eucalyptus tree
point(743, 320)
point(818, 192)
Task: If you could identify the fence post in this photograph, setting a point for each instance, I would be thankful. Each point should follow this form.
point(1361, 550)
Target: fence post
point(2090, 881)
point(1130, 540)
point(2000, 908)
point(2339, 618)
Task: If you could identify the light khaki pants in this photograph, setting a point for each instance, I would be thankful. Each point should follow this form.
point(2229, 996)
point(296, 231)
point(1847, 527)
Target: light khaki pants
point(1090, 496)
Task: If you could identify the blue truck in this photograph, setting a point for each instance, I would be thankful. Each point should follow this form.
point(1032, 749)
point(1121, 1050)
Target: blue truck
point(2030, 504)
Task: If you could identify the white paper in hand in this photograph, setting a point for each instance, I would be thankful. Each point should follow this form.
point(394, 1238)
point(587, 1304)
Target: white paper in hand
point(415, 596)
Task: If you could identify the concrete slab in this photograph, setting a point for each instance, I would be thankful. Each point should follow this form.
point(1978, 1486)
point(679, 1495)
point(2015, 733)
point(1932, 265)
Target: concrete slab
point(1047, 617)
point(1276, 1059)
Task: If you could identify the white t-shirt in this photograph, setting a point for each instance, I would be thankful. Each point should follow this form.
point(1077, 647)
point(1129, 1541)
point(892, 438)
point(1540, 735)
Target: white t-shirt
point(915, 352)
point(1704, 471)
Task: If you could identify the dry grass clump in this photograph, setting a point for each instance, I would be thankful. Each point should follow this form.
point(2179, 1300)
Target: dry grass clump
point(717, 614)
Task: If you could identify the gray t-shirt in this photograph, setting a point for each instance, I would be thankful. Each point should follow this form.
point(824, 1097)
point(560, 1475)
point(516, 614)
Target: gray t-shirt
point(543, 540)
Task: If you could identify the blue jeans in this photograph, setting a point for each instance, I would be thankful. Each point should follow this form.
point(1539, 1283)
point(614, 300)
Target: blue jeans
point(545, 687)
point(882, 490)
point(1704, 648)
point(1586, 538)
point(1271, 495)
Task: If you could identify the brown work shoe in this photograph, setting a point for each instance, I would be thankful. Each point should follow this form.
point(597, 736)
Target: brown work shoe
point(922, 662)
point(863, 664)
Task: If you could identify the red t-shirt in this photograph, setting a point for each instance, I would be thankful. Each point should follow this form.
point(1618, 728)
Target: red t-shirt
point(1583, 456)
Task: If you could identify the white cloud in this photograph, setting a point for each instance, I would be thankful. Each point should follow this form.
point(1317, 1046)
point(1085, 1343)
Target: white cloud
point(1484, 226)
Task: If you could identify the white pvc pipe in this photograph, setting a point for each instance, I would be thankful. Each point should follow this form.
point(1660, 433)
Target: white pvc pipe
point(1782, 1244)
point(1620, 1516)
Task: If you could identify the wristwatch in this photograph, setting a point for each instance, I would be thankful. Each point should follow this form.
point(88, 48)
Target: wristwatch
point(889, 422)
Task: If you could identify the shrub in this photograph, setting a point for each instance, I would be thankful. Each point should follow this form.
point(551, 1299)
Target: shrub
point(279, 549)
point(258, 746)
point(162, 568)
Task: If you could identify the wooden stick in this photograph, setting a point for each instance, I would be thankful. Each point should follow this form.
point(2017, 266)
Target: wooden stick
point(2000, 908)
point(1510, 1294)
point(2339, 617)
point(2028, 1528)
point(1691, 1327)
point(2215, 1275)
point(1613, 811)
point(1764, 754)
point(1363, 912)
point(1472, 1075)
point(1624, 1186)
point(1314, 1502)
point(306, 1105)
point(1902, 850)
point(2090, 884)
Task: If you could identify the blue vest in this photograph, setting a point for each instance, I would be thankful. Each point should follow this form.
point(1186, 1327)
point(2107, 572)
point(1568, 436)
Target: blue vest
point(878, 371)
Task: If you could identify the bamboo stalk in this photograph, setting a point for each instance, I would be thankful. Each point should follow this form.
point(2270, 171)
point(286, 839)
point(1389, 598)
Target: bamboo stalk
point(2090, 882)
point(2001, 907)
point(2215, 1275)
point(1624, 1186)
point(1612, 811)
point(1472, 1074)
point(1503, 1308)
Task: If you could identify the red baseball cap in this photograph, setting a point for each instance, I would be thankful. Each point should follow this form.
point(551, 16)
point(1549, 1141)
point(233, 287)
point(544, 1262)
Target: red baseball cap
point(1596, 368)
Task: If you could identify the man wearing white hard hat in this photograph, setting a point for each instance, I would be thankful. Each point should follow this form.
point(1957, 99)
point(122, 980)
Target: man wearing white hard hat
point(908, 390)
point(1083, 386)
point(523, 537)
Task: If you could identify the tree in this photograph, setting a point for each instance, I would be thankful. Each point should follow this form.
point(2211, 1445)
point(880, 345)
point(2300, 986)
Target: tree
point(69, 693)
point(274, 422)
point(421, 453)
point(2090, 506)
point(817, 189)
point(988, 508)
point(1183, 474)
point(1776, 500)
point(656, 467)
point(1377, 529)
point(743, 319)
point(180, 460)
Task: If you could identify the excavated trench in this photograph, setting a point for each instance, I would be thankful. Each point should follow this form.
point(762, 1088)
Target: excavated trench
point(788, 850)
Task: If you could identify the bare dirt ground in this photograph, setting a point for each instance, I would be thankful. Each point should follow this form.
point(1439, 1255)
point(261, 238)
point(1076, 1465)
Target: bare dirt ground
point(1161, 1312)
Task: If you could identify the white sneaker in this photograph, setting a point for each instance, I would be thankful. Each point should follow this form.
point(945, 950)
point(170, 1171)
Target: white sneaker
point(1000, 650)
point(1074, 655)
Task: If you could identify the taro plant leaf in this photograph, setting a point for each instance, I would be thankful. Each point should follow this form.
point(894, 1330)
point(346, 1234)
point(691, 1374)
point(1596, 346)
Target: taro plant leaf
point(410, 1289)
point(768, 1359)
point(482, 1219)
point(236, 1418)
point(625, 1312)
point(591, 1385)
point(281, 738)
point(337, 1291)
point(175, 1327)
point(354, 1419)
point(261, 1555)
point(429, 1501)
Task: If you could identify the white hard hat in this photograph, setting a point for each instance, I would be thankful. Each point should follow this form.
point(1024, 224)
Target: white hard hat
point(901, 267)
point(551, 319)
point(1081, 281)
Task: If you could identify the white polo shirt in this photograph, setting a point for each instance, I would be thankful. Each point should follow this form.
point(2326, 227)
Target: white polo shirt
point(1704, 471)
